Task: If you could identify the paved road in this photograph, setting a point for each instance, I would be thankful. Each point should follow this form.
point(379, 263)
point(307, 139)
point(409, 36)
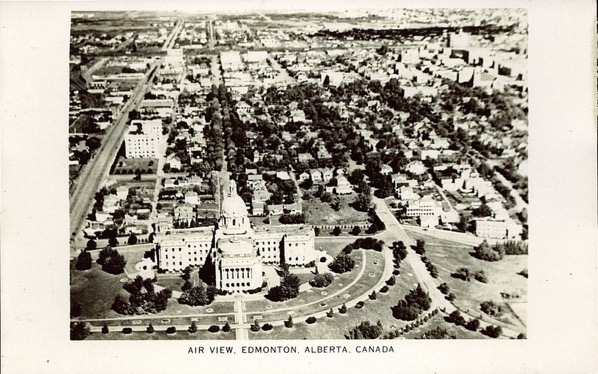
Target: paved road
point(395, 232)
point(96, 65)
point(96, 170)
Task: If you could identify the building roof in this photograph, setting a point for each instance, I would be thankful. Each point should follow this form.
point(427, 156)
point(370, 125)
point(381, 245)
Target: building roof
point(232, 204)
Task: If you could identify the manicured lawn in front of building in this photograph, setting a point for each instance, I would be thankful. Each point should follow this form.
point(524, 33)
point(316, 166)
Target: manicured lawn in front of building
point(374, 267)
point(94, 290)
point(340, 324)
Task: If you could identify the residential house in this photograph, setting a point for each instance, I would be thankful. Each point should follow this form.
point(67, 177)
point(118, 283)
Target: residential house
point(304, 157)
point(164, 222)
point(122, 192)
point(294, 208)
point(315, 175)
point(303, 176)
point(174, 161)
point(184, 213)
point(275, 209)
point(257, 207)
point(385, 169)
point(192, 198)
point(327, 175)
point(283, 175)
point(416, 167)
point(343, 187)
point(254, 179)
point(430, 153)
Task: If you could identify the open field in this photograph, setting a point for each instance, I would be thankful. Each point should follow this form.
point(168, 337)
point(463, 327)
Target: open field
point(317, 212)
point(130, 165)
point(502, 275)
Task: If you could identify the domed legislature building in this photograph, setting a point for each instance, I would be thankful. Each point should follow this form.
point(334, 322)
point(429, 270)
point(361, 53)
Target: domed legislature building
point(236, 249)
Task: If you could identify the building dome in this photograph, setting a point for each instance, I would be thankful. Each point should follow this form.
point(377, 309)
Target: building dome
point(233, 206)
point(233, 212)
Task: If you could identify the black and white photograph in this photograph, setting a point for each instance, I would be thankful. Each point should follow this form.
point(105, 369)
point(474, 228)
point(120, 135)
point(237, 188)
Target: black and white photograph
point(293, 175)
point(308, 182)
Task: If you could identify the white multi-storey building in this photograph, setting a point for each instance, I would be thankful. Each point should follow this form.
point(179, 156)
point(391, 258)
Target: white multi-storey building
point(497, 229)
point(142, 139)
point(235, 249)
point(424, 207)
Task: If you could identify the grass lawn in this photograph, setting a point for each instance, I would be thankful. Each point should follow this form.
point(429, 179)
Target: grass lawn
point(332, 245)
point(339, 325)
point(174, 282)
point(133, 257)
point(130, 166)
point(161, 335)
point(317, 212)
point(94, 290)
point(503, 277)
point(371, 275)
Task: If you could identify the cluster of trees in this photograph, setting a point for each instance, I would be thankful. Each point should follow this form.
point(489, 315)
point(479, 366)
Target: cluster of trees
point(494, 331)
point(75, 310)
point(446, 290)
point(382, 182)
point(289, 322)
point(510, 172)
point(282, 191)
point(287, 219)
point(214, 136)
point(399, 252)
point(366, 330)
point(377, 224)
point(420, 247)
point(143, 298)
point(492, 309)
point(489, 253)
point(79, 331)
point(437, 333)
point(322, 280)
point(288, 289)
point(415, 302)
point(411, 326)
point(255, 327)
point(198, 295)
point(342, 263)
point(365, 243)
point(512, 247)
point(498, 251)
point(99, 199)
point(84, 261)
point(111, 261)
point(456, 318)
point(482, 211)
point(466, 275)
point(363, 201)
point(430, 266)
